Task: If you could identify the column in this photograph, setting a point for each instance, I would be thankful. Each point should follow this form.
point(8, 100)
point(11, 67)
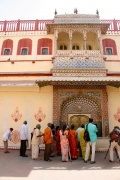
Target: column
point(100, 42)
point(55, 42)
point(84, 40)
point(70, 37)
point(99, 47)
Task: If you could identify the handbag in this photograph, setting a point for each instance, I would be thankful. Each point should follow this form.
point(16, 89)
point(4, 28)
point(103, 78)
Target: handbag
point(86, 134)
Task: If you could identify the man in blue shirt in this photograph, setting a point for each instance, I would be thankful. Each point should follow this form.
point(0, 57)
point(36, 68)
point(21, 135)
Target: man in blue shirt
point(92, 129)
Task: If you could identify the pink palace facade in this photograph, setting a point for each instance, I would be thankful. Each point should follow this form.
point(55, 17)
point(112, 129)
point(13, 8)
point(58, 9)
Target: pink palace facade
point(63, 70)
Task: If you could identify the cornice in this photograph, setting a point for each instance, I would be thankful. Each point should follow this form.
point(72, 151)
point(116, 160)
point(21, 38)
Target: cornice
point(23, 33)
point(79, 72)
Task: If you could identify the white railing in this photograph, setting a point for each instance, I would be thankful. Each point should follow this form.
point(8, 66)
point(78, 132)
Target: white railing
point(78, 53)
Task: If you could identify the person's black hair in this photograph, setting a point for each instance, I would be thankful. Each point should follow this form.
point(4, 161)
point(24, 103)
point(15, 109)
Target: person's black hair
point(82, 126)
point(90, 120)
point(72, 126)
point(57, 128)
point(52, 126)
point(116, 127)
point(64, 127)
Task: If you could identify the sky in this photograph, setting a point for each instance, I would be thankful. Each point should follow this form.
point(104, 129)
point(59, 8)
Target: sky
point(44, 9)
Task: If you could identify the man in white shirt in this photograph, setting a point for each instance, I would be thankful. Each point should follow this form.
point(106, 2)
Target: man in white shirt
point(24, 139)
point(6, 137)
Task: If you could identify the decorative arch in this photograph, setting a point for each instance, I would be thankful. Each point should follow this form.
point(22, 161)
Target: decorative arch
point(63, 39)
point(82, 105)
point(109, 43)
point(92, 40)
point(77, 40)
point(7, 44)
point(81, 100)
point(24, 43)
point(75, 46)
point(44, 43)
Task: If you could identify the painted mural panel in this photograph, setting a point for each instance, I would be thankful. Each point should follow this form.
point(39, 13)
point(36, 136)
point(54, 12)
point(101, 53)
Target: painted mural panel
point(33, 106)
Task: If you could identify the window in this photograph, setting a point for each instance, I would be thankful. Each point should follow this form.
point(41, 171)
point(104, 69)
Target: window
point(109, 51)
point(44, 51)
point(63, 47)
point(7, 52)
point(88, 47)
point(75, 47)
point(24, 51)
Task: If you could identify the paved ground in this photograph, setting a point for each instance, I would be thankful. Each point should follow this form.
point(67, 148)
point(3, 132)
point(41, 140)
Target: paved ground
point(14, 167)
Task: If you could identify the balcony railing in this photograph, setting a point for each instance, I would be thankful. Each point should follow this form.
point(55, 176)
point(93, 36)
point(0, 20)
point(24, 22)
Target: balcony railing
point(114, 24)
point(24, 25)
point(40, 25)
point(78, 53)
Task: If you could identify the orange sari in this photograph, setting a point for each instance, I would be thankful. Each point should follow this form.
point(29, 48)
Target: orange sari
point(73, 144)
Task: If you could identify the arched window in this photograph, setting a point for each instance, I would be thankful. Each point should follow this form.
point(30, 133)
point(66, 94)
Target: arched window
point(75, 47)
point(109, 47)
point(24, 51)
point(7, 47)
point(63, 47)
point(88, 47)
point(44, 51)
point(6, 51)
point(109, 51)
point(44, 46)
point(24, 47)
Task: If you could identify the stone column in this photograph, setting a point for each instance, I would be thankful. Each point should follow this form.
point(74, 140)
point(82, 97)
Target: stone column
point(55, 42)
point(70, 37)
point(84, 42)
point(99, 43)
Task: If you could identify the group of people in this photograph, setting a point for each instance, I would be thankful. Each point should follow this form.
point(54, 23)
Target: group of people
point(64, 142)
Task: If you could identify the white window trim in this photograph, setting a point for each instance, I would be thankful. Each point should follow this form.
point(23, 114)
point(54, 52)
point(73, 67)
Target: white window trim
point(24, 48)
point(44, 48)
point(109, 48)
point(4, 51)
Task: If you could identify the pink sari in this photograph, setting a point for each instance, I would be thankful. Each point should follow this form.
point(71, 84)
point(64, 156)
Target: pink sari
point(64, 145)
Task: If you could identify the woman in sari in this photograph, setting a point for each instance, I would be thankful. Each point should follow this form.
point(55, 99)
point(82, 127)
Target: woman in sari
point(64, 143)
point(73, 142)
point(57, 138)
point(83, 142)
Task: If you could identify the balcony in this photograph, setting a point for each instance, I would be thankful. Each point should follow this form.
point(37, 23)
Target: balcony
point(76, 53)
point(78, 63)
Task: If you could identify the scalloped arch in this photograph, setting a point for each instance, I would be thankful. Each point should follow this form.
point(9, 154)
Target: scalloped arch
point(80, 105)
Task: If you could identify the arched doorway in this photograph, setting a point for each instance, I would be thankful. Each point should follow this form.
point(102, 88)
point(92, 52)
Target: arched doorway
point(78, 119)
point(79, 99)
point(77, 110)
